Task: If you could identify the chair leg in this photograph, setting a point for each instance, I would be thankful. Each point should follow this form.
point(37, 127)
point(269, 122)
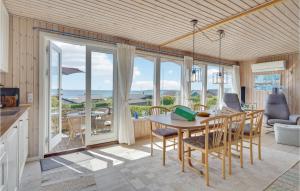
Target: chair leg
point(174, 143)
point(182, 160)
point(151, 144)
point(259, 147)
point(203, 158)
point(241, 154)
point(164, 151)
point(223, 162)
point(206, 169)
point(251, 152)
point(229, 160)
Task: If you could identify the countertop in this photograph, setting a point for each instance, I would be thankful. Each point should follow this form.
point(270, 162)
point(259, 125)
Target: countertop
point(7, 121)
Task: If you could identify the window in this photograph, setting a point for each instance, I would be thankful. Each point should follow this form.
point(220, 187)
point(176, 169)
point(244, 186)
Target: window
point(228, 86)
point(141, 94)
point(170, 80)
point(212, 89)
point(196, 90)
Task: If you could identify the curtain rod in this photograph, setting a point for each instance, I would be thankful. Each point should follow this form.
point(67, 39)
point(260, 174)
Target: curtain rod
point(114, 43)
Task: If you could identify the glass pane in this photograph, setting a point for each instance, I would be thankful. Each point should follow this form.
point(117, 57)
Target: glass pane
point(196, 91)
point(72, 96)
point(170, 80)
point(228, 88)
point(212, 89)
point(101, 93)
point(54, 101)
point(141, 94)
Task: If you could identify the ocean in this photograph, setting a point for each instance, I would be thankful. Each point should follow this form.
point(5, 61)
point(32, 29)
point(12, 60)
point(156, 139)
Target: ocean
point(101, 94)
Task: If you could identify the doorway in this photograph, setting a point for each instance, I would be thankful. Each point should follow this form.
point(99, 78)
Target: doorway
point(81, 96)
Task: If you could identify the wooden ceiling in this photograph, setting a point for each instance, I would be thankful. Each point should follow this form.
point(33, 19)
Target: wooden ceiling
point(268, 31)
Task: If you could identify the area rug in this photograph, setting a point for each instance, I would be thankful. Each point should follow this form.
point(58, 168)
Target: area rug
point(63, 160)
point(131, 168)
point(52, 163)
point(289, 181)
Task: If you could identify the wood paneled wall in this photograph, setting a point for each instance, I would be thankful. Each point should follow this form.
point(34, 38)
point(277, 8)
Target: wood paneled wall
point(290, 80)
point(23, 71)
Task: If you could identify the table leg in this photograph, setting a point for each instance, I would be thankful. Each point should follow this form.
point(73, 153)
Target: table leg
point(180, 144)
point(189, 149)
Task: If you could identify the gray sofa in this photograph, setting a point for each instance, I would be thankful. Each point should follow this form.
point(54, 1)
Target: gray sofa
point(277, 111)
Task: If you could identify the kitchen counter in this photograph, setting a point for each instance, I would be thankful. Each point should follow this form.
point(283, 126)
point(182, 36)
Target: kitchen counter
point(7, 121)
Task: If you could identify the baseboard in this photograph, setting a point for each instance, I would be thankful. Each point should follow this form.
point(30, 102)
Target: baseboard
point(31, 159)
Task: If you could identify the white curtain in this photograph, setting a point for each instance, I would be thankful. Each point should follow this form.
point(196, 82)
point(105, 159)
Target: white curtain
point(125, 57)
point(186, 80)
point(236, 83)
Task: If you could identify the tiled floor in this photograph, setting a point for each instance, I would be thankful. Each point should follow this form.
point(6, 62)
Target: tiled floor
point(121, 167)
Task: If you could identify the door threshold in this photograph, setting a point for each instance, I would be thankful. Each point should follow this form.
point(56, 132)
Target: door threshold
point(69, 151)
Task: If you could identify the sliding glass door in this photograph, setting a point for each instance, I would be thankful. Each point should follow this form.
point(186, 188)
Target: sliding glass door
point(100, 83)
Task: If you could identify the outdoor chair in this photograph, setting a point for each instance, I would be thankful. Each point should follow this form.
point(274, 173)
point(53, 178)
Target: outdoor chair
point(76, 127)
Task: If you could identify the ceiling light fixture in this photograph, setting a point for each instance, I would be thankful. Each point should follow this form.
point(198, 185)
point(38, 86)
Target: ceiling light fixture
point(220, 77)
point(196, 72)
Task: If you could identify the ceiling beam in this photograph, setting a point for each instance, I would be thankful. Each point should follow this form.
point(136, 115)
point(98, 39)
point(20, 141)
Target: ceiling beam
point(226, 20)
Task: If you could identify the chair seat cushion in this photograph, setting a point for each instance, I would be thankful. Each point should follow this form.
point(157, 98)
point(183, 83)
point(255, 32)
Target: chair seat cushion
point(199, 141)
point(165, 132)
point(281, 121)
point(247, 129)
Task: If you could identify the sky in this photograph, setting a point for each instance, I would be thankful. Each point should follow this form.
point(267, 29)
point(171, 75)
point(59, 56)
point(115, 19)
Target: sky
point(102, 71)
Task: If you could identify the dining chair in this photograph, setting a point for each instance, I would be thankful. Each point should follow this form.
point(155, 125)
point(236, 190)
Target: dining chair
point(252, 131)
point(212, 141)
point(236, 123)
point(173, 107)
point(76, 127)
point(199, 107)
point(161, 131)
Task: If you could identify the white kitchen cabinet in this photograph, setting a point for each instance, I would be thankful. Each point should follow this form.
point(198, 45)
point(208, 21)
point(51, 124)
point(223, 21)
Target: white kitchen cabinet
point(13, 154)
point(3, 167)
point(11, 143)
point(23, 142)
point(4, 37)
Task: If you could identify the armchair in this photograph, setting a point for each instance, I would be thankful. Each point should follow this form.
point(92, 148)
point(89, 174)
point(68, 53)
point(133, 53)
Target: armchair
point(232, 101)
point(277, 111)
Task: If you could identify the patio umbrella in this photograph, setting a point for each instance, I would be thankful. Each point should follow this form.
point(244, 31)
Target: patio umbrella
point(68, 71)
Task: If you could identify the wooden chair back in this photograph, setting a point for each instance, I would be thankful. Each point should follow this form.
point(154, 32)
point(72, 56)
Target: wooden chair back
point(256, 120)
point(199, 107)
point(236, 124)
point(75, 123)
point(173, 107)
point(157, 110)
point(228, 111)
point(215, 131)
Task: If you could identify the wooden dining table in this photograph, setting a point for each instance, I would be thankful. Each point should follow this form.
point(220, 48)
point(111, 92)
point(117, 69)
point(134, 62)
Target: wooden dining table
point(180, 125)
